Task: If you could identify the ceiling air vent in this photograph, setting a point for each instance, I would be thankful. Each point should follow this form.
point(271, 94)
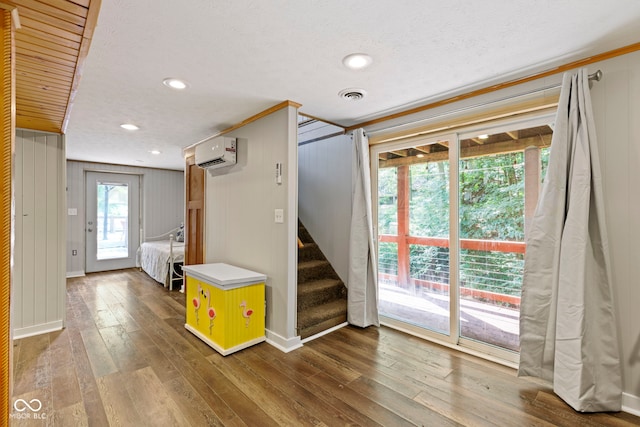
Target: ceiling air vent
point(352, 94)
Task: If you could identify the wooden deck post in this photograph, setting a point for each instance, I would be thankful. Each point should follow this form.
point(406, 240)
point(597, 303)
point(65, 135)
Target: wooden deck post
point(403, 226)
point(532, 170)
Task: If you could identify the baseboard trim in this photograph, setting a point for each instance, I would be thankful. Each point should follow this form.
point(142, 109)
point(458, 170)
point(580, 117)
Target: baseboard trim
point(631, 404)
point(325, 332)
point(281, 343)
point(71, 274)
point(44, 328)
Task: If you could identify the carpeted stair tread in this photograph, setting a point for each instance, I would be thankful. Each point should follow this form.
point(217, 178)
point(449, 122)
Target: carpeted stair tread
point(322, 296)
point(322, 326)
point(321, 313)
point(312, 263)
point(319, 292)
point(318, 285)
point(308, 252)
point(315, 269)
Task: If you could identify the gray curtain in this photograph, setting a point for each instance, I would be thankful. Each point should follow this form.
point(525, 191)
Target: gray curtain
point(362, 284)
point(567, 320)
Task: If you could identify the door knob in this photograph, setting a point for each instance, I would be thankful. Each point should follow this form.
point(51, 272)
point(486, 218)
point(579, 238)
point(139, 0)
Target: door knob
point(90, 230)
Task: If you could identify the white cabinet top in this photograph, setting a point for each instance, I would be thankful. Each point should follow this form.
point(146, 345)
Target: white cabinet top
point(224, 276)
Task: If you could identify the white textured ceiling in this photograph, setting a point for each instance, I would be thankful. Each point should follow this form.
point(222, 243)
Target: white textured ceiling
point(243, 56)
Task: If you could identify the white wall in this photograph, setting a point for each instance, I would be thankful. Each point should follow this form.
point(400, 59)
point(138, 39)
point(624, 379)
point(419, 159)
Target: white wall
point(38, 293)
point(162, 208)
point(239, 216)
point(616, 104)
point(324, 191)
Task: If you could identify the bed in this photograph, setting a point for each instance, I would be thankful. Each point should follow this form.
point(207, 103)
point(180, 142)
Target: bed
point(162, 260)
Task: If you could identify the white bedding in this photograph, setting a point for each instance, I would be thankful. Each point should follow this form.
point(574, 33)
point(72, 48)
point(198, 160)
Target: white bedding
point(154, 258)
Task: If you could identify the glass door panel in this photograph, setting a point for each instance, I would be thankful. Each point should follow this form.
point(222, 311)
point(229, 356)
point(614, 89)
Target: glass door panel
point(113, 220)
point(499, 181)
point(413, 234)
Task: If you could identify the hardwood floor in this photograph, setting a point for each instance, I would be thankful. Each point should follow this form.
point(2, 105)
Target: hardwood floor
point(125, 358)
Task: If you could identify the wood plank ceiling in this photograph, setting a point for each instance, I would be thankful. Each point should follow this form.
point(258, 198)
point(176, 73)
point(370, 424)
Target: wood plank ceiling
point(51, 45)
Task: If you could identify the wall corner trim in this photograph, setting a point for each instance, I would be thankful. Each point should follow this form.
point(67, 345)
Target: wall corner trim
point(43, 328)
point(283, 344)
point(71, 274)
point(631, 404)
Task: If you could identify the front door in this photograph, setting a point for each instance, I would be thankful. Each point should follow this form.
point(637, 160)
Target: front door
point(112, 226)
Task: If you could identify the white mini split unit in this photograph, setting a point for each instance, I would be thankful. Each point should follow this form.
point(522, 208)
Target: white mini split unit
point(216, 153)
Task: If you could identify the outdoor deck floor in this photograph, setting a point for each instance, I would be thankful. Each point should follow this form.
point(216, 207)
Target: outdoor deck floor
point(479, 321)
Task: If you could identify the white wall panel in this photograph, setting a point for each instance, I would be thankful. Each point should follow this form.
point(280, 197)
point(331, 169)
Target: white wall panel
point(616, 102)
point(239, 212)
point(38, 296)
point(162, 206)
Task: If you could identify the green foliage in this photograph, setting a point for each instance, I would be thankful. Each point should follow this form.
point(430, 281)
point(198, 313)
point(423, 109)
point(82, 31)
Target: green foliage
point(429, 200)
point(491, 201)
point(492, 197)
point(387, 201)
point(388, 258)
point(429, 263)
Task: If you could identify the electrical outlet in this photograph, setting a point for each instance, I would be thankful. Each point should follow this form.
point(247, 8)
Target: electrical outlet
point(74, 252)
point(279, 216)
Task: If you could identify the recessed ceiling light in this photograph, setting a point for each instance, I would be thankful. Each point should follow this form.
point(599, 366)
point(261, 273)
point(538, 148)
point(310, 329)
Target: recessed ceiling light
point(175, 83)
point(156, 152)
point(420, 155)
point(484, 136)
point(129, 126)
point(357, 61)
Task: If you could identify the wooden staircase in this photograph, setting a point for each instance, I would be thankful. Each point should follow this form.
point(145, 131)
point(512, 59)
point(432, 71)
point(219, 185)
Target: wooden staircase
point(322, 296)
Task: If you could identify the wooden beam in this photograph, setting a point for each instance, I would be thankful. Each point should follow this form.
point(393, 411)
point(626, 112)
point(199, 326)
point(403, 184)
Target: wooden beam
point(423, 149)
point(190, 150)
point(401, 153)
point(540, 141)
point(513, 134)
point(85, 43)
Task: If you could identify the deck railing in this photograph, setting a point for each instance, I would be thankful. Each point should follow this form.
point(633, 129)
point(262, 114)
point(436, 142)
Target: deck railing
point(490, 270)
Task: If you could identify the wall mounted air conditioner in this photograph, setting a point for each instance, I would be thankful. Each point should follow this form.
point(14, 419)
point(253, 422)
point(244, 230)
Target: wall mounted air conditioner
point(216, 152)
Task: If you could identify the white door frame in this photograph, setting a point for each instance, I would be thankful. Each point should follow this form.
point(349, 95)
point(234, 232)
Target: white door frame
point(133, 181)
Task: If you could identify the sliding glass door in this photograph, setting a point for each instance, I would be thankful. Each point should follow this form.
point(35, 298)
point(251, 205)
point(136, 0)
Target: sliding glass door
point(452, 216)
point(413, 234)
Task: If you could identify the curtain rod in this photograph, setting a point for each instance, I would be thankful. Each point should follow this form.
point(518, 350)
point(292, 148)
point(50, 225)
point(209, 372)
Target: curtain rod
point(597, 76)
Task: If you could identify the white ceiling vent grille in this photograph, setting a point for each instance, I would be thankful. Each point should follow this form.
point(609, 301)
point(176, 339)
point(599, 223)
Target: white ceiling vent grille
point(352, 94)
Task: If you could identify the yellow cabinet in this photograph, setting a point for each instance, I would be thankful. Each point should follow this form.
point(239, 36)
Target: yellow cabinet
point(225, 306)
